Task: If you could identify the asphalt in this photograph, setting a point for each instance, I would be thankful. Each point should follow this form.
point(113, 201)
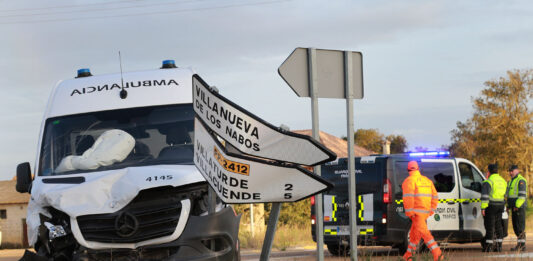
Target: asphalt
point(451, 252)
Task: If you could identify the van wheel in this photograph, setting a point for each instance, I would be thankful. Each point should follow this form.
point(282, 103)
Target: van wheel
point(338, 250)
point(402, 247)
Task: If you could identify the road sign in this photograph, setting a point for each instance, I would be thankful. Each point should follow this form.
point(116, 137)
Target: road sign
point(250, 134)
point(242, 179)
point(319, 73)
point(329, 72)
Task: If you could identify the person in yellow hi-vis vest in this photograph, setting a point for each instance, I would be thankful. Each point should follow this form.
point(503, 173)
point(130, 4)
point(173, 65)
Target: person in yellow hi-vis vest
point(492, 207)
point(517, 203)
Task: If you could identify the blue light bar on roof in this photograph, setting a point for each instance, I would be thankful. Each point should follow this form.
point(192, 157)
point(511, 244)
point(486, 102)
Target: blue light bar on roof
point(429, 153)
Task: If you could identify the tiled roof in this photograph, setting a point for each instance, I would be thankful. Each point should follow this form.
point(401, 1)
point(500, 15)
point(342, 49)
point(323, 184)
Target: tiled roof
point(8, 194)
point(337, 145)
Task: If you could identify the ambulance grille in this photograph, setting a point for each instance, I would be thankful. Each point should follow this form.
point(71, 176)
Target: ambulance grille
point(153, 213)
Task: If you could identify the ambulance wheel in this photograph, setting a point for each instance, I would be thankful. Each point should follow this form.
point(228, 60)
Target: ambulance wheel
point(338, 250)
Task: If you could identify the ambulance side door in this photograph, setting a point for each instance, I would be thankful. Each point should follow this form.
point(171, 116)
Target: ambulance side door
point(471, 182)
point(442, 173)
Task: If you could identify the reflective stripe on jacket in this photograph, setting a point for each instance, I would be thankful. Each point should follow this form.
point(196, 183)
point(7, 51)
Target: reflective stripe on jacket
point(419, 194)
point(517, 191)
point(493, 190)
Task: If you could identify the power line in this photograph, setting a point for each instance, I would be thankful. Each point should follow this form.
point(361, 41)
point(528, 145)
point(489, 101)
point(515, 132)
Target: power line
point(100, 9)
point(147, 13)
point(67, 6)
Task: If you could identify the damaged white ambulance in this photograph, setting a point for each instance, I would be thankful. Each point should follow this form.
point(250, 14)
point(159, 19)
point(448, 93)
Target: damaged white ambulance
point(114, 176)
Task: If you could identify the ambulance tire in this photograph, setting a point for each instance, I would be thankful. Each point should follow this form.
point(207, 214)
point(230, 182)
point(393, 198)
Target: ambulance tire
point(338, 250)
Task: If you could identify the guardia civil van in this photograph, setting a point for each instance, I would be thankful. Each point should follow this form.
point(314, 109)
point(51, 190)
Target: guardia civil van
point(114, 177)
point(380, 214)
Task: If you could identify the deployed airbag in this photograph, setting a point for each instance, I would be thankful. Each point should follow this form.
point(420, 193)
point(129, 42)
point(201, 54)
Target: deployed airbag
point(112, 146)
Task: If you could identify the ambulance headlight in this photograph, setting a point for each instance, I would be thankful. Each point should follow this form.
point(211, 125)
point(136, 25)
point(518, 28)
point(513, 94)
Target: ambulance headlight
point(55, 231)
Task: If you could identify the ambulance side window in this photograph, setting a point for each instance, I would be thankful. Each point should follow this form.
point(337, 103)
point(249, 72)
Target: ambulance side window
point(470, 178)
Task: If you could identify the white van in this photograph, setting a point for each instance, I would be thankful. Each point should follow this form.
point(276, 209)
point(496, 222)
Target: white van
point(114, 175)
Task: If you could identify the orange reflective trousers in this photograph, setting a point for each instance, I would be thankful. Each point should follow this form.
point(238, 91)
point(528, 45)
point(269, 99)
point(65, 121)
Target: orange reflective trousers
point(419, 230)
point(420, 200)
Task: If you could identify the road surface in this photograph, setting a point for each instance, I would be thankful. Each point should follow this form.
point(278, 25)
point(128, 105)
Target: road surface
point(452, 252)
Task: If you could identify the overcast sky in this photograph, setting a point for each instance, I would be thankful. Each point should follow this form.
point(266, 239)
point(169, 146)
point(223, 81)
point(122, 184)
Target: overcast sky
point(423, 60)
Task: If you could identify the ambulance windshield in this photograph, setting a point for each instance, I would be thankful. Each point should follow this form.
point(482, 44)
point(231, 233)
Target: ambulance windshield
point(116, 139)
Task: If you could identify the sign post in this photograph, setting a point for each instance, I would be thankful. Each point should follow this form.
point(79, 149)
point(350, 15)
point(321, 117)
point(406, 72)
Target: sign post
point(318, 73)
point(271, 231)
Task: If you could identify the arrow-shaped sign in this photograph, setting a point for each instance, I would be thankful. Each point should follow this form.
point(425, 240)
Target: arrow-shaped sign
point(241, 179)
point(250, 134)
point(329, 73)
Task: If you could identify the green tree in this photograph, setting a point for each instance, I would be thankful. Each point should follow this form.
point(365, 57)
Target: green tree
point(370, 139)
point(398, 143)
point(501, 127)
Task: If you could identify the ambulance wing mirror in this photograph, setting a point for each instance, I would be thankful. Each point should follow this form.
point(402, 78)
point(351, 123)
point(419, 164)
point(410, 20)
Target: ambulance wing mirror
point(24, 177)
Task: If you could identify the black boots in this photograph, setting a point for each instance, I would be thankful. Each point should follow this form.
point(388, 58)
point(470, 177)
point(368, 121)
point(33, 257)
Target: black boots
point(519, 247)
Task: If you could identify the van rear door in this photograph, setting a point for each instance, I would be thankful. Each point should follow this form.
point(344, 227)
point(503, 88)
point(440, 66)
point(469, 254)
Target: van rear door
point(369, 189)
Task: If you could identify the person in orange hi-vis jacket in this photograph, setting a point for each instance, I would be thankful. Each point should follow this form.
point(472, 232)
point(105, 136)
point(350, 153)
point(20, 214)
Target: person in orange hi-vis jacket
point(420, 200)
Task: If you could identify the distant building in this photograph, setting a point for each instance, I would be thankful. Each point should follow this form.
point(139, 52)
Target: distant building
point(13, 208)
point(337, 145)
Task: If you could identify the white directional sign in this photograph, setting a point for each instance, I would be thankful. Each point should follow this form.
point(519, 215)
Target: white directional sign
point(251, 135)
point(242, 179)
point(329, 73)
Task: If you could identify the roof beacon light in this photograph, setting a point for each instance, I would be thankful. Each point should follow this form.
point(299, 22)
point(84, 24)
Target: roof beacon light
point(430, 153)
point(169, 64)
point(85, 72)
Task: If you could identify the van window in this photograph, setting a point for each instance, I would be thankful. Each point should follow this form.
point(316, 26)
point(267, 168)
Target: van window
point(470, 177)
point(441, 173)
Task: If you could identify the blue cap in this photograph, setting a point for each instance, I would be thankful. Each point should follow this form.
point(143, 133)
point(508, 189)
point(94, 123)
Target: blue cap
point(84, 72)
point(168, 64)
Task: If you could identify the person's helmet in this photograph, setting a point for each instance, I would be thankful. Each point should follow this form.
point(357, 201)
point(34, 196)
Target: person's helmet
point(412, 165)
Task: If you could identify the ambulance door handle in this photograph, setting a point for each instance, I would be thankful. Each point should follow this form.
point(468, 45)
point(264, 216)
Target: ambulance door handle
point(451, 202)
point(466, 202)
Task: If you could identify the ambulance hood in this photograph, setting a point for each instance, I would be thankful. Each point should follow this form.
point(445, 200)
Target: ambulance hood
point(100, 192)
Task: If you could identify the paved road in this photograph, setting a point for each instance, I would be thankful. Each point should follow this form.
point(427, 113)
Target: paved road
point(452, 252)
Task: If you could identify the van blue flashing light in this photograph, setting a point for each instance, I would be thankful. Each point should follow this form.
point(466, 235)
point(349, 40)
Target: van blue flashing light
point(430, 153)
point(169, 62)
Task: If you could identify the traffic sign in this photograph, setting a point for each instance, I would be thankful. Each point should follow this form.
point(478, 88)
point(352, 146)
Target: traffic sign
point(242, 179)
point(250, 134)
point(329, 74)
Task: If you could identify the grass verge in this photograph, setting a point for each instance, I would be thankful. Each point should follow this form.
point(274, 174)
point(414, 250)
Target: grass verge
point(286, 237)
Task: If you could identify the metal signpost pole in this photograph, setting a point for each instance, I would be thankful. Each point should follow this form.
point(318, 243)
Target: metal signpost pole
point(313, 90)
point(211, 207)
point(271, 231)
point(348, 81)
point(252, 219)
